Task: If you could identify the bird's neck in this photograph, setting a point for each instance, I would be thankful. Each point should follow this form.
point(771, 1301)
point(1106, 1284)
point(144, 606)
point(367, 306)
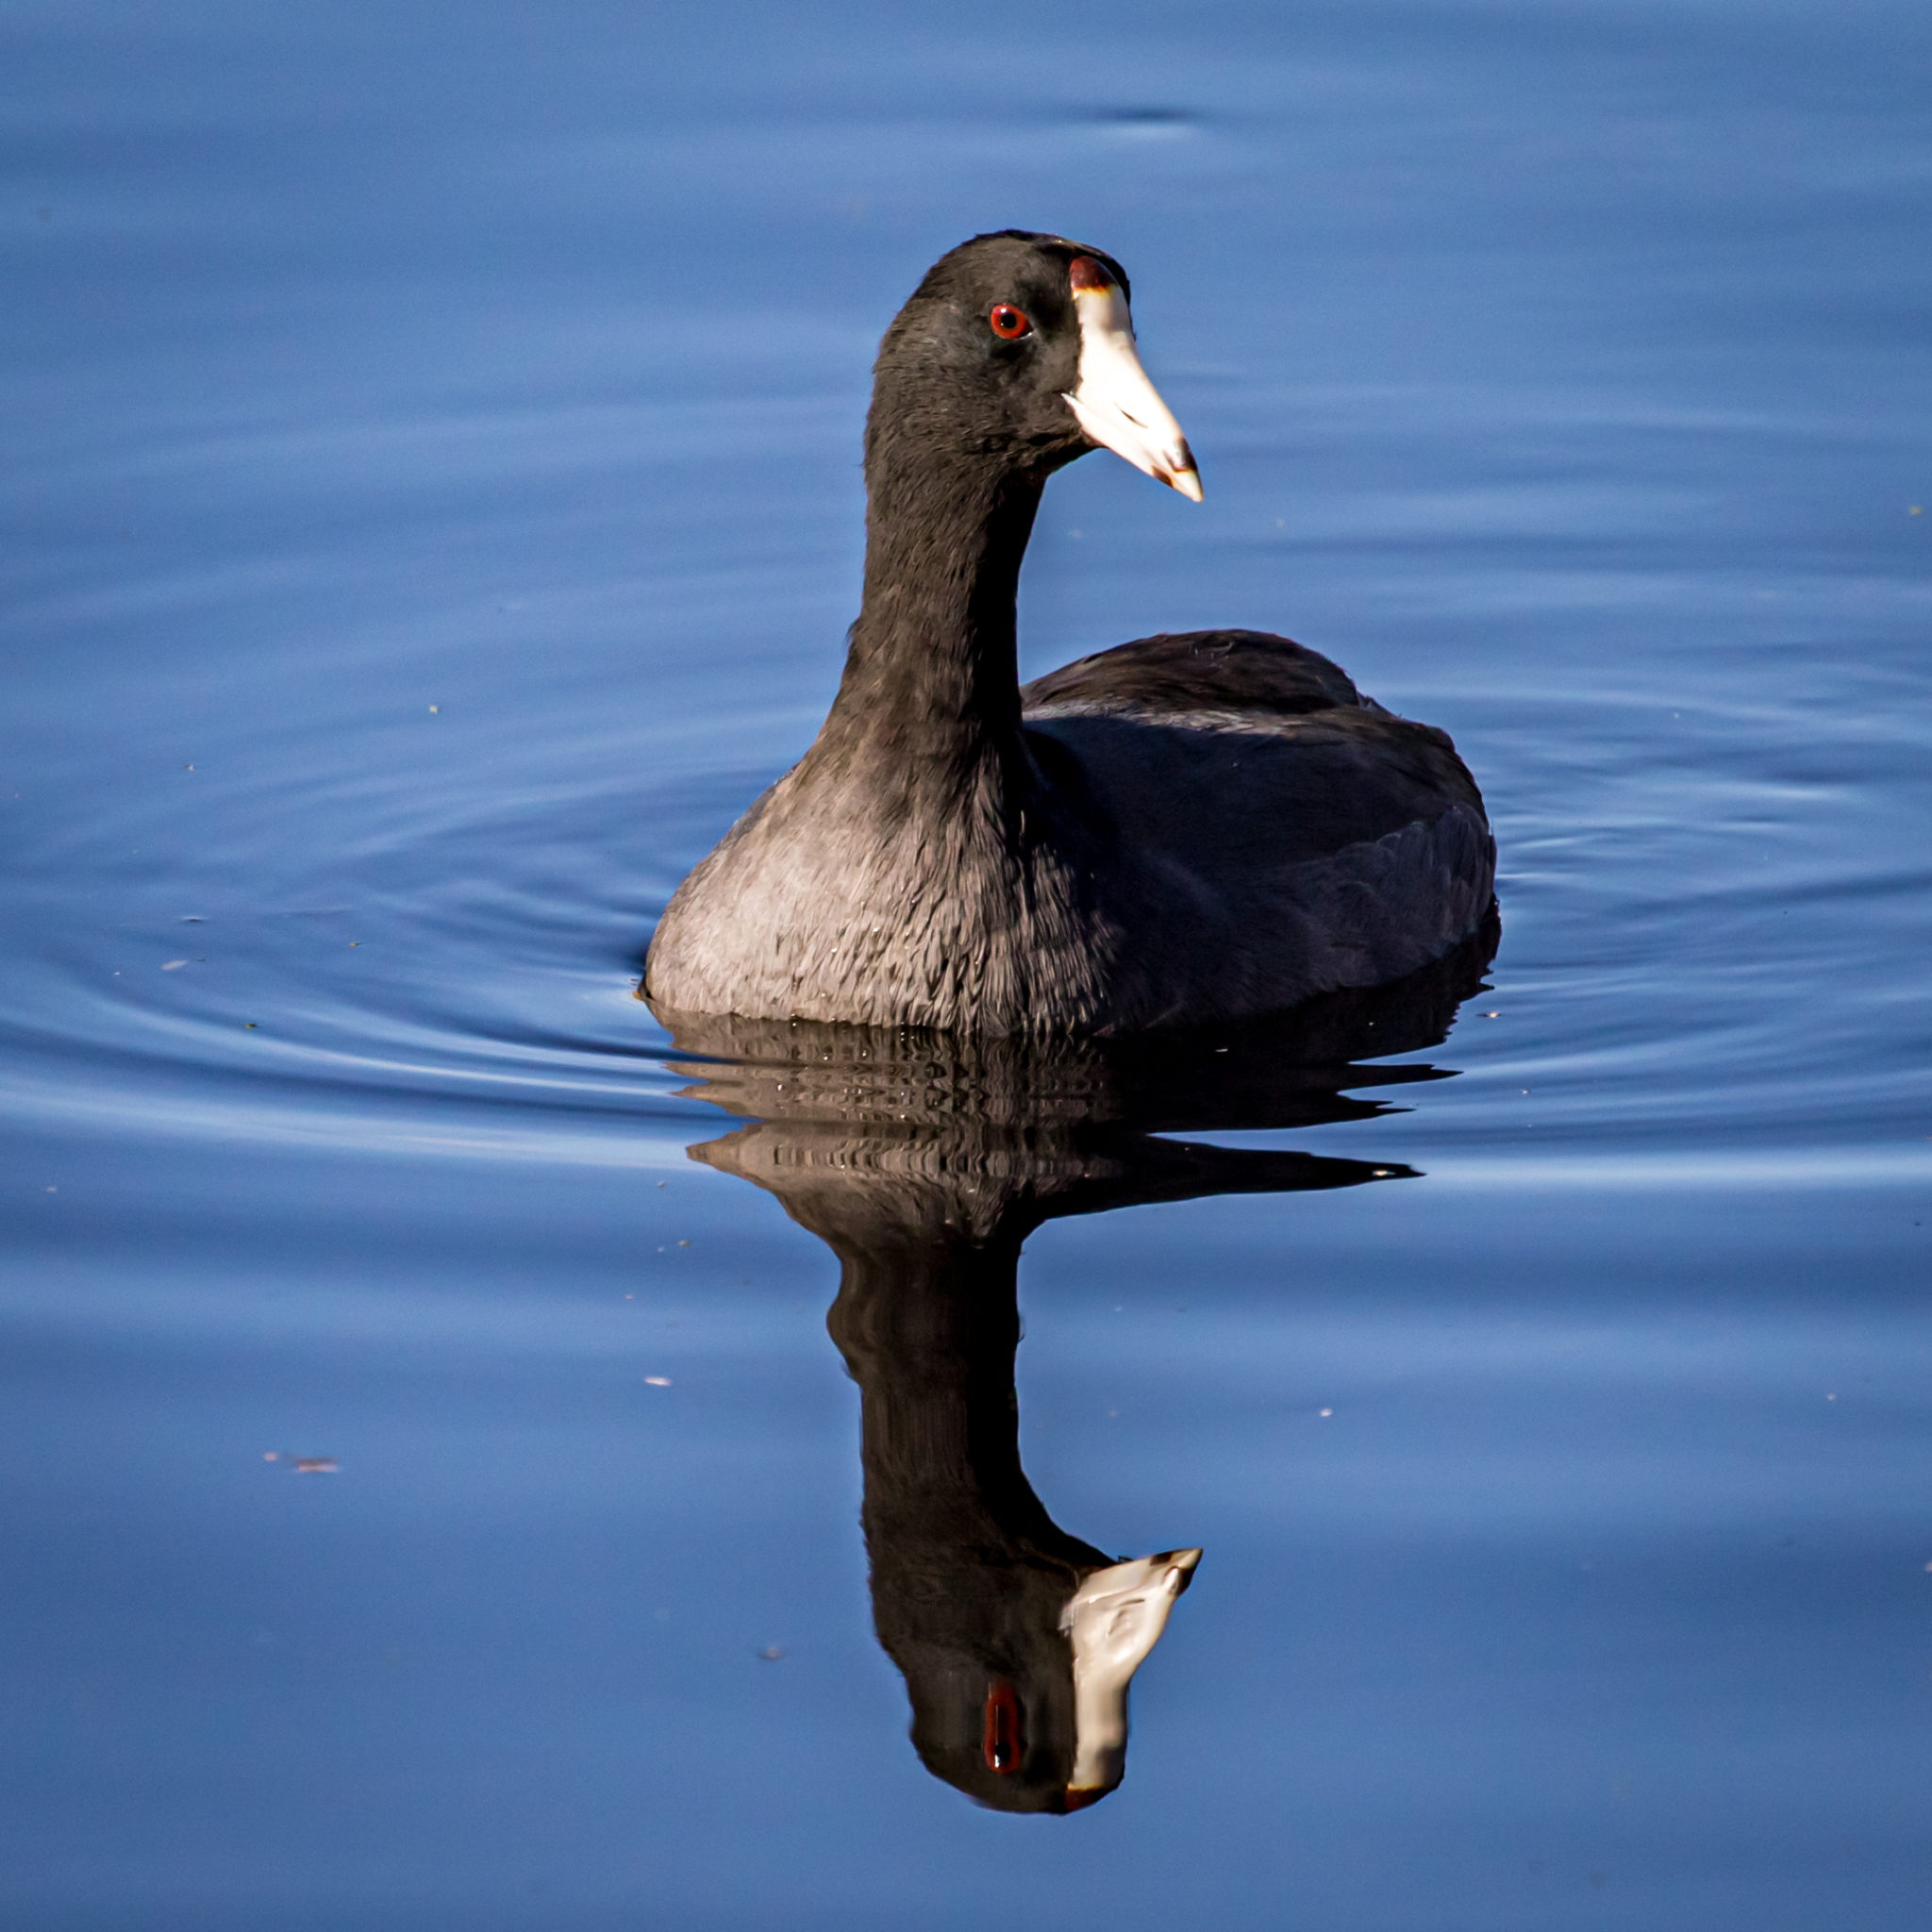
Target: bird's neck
point(928, 1324)
point(931, 683)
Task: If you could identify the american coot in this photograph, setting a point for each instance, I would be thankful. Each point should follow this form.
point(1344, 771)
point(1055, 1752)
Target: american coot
point(1184, 830)
point(925, 1161)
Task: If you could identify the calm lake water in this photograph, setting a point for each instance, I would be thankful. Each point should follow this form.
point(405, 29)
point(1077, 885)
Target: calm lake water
point(434, 511)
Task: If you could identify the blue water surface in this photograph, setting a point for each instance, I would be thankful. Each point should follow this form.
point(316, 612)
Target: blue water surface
point(434, 511)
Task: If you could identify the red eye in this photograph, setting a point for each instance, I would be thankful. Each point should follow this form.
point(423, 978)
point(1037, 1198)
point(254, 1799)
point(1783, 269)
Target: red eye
point(1002, 1743)
point(1008, 321)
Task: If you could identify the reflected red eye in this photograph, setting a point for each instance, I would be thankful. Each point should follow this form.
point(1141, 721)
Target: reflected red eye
point(1001, 1741)
point(1008, 321)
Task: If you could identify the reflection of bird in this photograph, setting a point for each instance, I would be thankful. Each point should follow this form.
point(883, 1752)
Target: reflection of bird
point(925, 1162)
point(1187, 830)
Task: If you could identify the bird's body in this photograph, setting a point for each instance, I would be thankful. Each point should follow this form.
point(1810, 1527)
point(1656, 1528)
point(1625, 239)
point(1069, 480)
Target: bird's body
point(1184, 830)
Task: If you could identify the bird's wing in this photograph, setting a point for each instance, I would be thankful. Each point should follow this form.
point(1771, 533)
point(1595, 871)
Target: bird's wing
point(1232, 749)
point(1201, 670)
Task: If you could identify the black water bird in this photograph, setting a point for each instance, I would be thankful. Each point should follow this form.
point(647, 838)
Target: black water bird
point(1186, 830)
point(924, 1160)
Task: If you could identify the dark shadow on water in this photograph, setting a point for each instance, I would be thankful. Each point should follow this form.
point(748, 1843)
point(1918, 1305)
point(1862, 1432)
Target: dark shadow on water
point(925, 1162)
